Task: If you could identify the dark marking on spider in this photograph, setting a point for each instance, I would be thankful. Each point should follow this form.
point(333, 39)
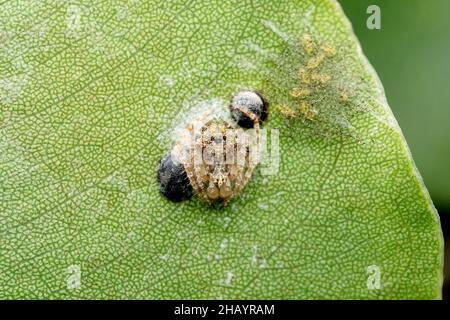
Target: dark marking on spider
point(173, 180)
point(251, 101)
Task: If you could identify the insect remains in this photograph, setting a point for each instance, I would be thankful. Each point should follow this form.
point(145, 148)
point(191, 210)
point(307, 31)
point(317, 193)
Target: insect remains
point(215, 157)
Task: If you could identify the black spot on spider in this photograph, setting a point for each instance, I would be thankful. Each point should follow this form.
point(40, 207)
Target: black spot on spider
point(172, 179)
point(251, 101)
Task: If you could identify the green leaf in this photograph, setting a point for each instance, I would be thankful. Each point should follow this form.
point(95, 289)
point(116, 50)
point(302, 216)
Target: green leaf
point(90, 96)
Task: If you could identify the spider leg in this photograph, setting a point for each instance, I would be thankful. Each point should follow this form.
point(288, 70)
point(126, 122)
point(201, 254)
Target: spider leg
point(255, 121)
point(199, 182)
point(196, 176)
point(192, 165)
point(189, 167)
point(251, 162)
point(242, 179)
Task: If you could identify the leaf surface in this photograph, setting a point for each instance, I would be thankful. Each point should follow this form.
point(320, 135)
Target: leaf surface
point(91, 95)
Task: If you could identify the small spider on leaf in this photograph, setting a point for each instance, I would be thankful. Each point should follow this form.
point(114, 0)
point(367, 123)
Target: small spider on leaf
point(215, 157)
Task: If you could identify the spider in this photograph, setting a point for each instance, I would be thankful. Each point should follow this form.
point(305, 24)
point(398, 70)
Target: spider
point(215, 157)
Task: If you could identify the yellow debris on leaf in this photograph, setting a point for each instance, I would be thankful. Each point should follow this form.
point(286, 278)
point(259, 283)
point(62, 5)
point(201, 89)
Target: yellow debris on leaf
point(287, 111)
point(313, 63)
point(320, 78)
point(344, 97)
point(307, 111)
point(301, 93)
point(304, 76)
point(328, 49)
point(308, 44)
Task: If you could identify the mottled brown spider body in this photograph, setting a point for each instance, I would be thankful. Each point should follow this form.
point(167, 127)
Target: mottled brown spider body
point(217, 154)
point(220, 158)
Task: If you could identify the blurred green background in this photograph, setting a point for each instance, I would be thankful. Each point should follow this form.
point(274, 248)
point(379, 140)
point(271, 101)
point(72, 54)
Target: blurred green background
point(411, 54)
